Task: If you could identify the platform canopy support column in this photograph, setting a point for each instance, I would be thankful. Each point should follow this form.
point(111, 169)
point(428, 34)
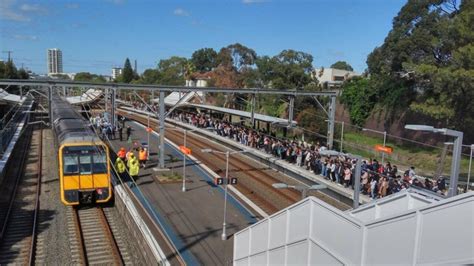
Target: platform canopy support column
point(357, 182)
point(331, 114)
point(253, 111)
point(113, 107)
point(50, 102)
point(291, 109)
point(162, 129)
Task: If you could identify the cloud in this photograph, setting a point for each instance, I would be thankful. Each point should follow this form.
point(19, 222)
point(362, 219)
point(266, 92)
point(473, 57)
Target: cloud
point(25, 37)
point(249, 2)
point(72, 6)
point(181, 12)
point(7, 12)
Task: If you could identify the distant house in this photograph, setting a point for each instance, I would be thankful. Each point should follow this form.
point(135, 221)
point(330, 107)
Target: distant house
point(331, 77)
point(199, 79)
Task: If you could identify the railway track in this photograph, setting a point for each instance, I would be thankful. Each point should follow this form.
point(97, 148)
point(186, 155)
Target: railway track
point(254, 182)
point(92, 240)
point(19, 214)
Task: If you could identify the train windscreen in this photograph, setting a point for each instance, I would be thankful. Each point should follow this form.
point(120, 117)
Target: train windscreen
point(84, 160)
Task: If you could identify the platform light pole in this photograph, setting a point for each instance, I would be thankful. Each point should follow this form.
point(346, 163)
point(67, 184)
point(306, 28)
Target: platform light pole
point(304, 189)
point(185, 131)
point(457, 148)
point(227, 154)
point(148, 135)
point(384, 139)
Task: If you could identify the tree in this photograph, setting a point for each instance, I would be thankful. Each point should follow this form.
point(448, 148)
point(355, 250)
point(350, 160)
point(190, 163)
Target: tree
point(236, 56)
point(86, 76)
point(288, 70)
point(360, 98)
point(127, 73)
point(426, 63)
point(150, 76)
point(342, 65)
point(172, 71)
point(204, 59)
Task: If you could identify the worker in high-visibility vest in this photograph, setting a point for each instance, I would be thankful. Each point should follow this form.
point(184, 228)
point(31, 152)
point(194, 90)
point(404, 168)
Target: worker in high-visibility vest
point(143, 157)
point(120, 166)
point(128, 155)
point(122, 153)
point(133, 169)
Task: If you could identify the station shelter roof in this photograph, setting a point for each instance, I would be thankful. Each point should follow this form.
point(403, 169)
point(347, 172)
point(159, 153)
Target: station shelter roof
point(89, 96)
point(185, 100)
point(10, 98)
point(259, 117)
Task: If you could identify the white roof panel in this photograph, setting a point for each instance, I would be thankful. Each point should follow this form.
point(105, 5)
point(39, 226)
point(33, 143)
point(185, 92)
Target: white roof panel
point(10, 98)
point(88, 96)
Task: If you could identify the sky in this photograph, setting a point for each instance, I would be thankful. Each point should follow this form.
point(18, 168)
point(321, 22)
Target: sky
point(96, 35)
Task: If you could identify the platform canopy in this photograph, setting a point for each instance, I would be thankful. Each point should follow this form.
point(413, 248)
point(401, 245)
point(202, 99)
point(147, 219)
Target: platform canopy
point(6, 97)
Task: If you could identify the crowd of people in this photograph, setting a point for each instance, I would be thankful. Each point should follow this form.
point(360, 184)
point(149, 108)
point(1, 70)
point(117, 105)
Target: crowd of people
point(127, 161)
point(377, 180)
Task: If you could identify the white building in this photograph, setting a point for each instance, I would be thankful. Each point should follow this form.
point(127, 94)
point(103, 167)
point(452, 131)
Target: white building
point(332, 77)
point(199, 80)
point(55, 61)
point(116, 71)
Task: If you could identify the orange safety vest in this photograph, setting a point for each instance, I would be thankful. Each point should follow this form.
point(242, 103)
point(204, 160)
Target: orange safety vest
point(142, 155)
point(121, 154)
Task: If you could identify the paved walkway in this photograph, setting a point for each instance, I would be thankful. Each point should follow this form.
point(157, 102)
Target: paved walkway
point(193, 219)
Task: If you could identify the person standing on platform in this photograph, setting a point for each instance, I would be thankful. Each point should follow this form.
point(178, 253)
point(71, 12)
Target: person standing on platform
point(129, 132)
point(143, 157)
point(128, 157)
point(120, 166)
point(134, 168)
point(122, 153)
point(120, 131)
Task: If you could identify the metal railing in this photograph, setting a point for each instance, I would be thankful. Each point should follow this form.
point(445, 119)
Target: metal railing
point(9, 123)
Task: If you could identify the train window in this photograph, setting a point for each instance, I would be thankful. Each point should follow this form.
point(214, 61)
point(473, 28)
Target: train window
point(70, 164)
point(99, 164)
point(85, 164)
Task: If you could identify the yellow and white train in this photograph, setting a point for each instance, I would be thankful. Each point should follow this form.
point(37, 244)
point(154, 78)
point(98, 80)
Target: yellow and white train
point(84, 168)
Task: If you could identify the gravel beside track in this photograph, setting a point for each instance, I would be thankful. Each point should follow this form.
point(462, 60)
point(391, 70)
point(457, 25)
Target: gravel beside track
point(52, 241)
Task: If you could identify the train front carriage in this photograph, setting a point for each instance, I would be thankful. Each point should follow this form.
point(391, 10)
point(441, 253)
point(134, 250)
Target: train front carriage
point(84, 173)
point(84, 167)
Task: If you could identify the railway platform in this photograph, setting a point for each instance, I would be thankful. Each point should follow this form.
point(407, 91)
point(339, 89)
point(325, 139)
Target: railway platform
point(335, 191)
point(192, 219)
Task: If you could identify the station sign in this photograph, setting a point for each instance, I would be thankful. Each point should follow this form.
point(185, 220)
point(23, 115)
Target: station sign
point(233, 181)
point(218, 181)
point(385, 149)
point(185, 150)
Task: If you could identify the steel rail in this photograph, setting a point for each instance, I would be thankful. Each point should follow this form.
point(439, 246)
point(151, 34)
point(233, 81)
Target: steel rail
point(37, 201)
point(110, 237)
point(79, 236)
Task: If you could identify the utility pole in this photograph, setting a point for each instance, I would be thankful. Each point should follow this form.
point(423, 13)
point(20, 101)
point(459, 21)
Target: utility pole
point(9, 54)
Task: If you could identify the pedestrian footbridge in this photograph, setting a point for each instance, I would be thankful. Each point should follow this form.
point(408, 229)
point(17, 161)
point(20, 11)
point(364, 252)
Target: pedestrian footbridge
point(411, 227)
